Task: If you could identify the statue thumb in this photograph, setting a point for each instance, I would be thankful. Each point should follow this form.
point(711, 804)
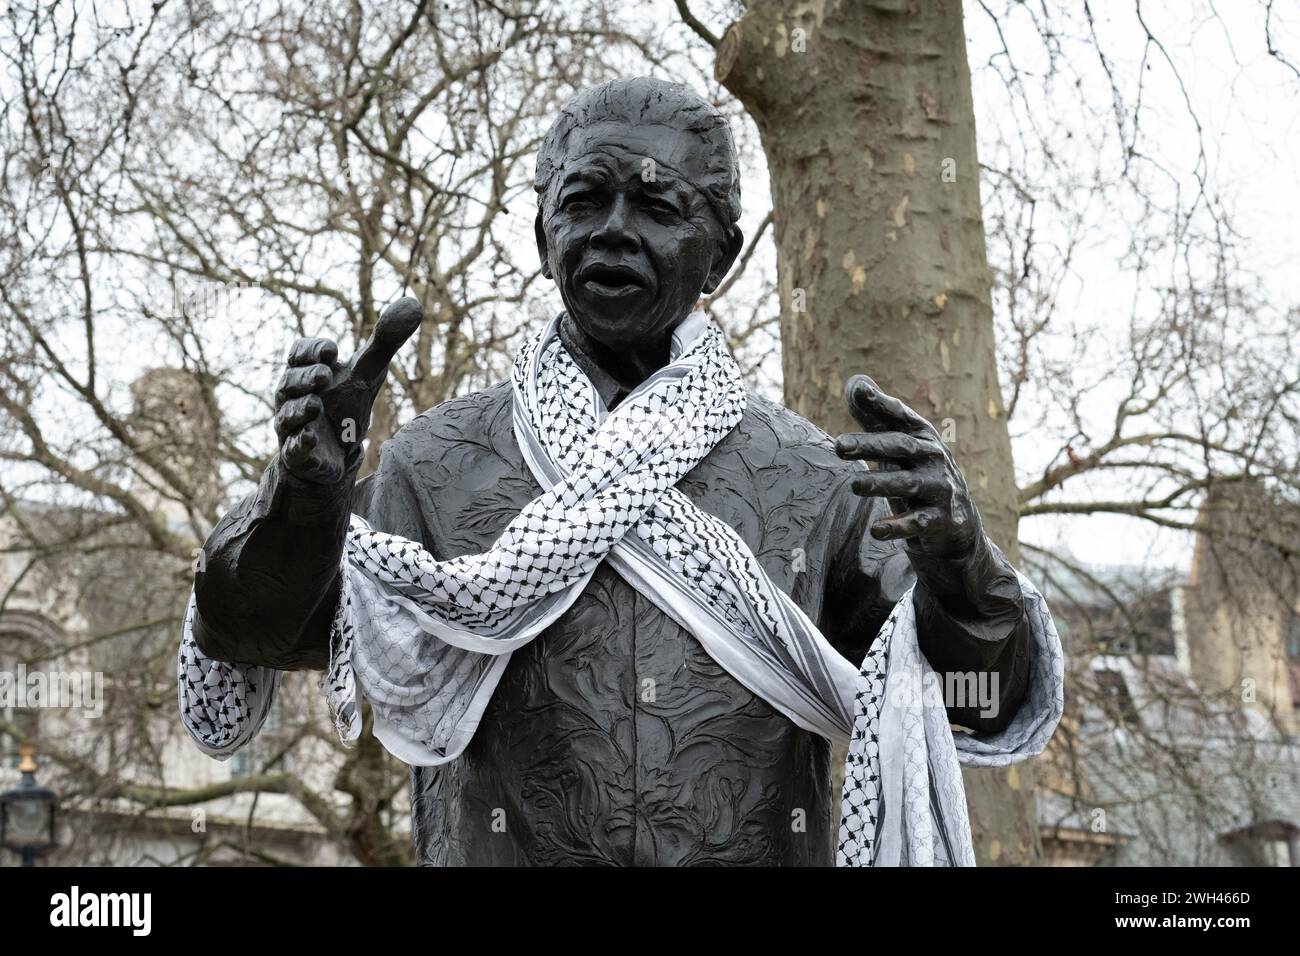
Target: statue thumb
point(397, 323)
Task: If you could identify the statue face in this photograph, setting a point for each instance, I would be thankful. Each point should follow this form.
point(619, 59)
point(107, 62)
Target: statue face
point(628, 238)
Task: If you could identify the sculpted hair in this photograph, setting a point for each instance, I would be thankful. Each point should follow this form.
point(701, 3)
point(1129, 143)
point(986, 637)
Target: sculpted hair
point(645, 100)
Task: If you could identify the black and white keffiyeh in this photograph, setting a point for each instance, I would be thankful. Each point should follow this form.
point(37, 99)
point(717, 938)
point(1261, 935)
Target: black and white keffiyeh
point(426, 641)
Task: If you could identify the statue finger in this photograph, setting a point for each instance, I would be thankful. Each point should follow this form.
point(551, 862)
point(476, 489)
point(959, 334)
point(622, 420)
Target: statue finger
point(901, 484)
point(910, 524)
point(397, 323)
point(299, 380)
point(298, 451)
point(310, 455)
point(874, 409)
point(295, 413)
point(886, 446)
point(313, 352)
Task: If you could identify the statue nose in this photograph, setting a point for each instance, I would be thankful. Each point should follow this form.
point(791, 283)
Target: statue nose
point(616, 231)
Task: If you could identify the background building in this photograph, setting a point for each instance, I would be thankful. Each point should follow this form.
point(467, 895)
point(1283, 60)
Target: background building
point(1179, 747)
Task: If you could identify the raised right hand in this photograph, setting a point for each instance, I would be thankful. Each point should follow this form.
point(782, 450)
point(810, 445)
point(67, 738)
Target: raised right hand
point(322, 407)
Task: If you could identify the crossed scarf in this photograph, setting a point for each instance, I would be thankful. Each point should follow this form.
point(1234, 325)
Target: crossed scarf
point(426, 640)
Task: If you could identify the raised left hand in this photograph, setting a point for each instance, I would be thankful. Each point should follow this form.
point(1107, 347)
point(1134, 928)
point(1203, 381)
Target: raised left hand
point(930, 503)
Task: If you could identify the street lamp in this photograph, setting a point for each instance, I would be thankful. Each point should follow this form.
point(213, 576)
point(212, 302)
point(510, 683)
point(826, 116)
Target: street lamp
point(27, 812)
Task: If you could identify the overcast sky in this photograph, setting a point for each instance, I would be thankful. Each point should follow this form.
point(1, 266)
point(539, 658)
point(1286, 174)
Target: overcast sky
point(1247, 107)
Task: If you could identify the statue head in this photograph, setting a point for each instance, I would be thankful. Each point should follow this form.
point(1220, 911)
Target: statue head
point(638, 196)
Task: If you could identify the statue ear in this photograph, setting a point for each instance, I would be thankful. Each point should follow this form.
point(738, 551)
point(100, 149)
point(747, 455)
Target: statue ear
point(728, 249)
point(540, 233)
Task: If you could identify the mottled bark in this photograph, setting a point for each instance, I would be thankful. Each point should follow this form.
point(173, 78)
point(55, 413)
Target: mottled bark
point(867, 121)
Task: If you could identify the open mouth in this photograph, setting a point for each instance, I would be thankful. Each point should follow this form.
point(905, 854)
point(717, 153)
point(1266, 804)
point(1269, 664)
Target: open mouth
point(613, 281)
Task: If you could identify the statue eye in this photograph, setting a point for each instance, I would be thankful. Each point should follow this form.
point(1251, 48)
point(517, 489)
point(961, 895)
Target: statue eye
point(663, 210)
point(577, 202)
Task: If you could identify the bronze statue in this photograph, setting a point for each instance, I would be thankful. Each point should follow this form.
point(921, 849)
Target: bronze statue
point(581, 764)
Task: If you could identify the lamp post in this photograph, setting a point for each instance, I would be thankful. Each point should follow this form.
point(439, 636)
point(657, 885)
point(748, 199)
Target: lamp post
point(27, 812)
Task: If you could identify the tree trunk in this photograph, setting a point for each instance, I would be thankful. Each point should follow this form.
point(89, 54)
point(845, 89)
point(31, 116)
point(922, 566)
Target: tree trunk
point(868, 124)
